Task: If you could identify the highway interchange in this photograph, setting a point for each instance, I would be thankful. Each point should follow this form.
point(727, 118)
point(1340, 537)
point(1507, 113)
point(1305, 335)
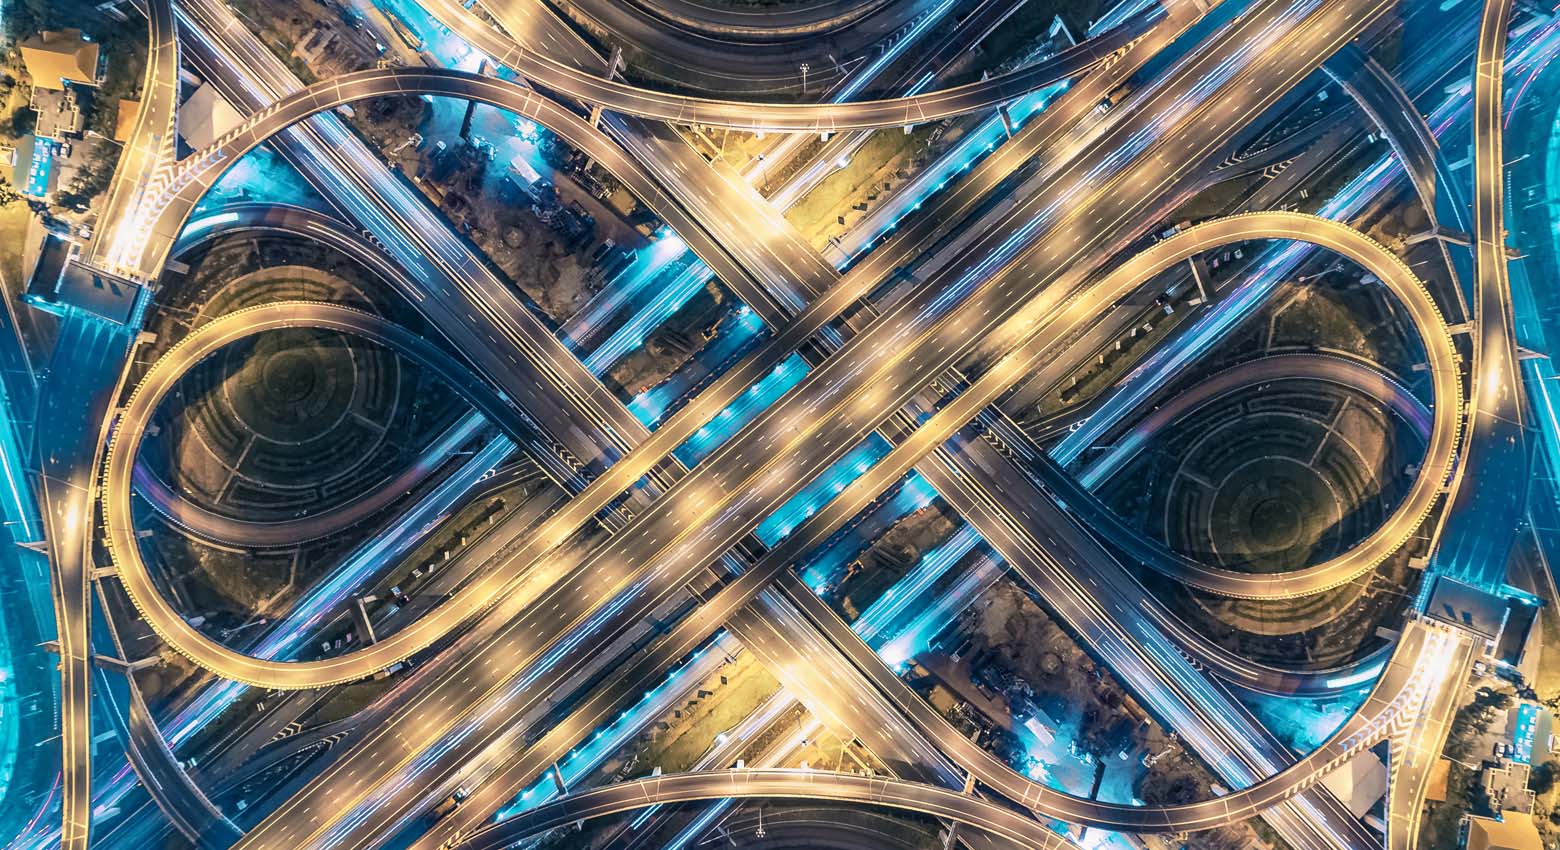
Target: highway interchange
point(985, 295)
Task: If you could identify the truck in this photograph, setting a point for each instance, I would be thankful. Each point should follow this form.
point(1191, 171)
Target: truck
point(449, 804)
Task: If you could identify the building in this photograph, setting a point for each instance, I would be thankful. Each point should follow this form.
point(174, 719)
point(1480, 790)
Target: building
point(60, 281)
point(1506, 784)
point(1359, 783)
point(124, 122)
point(1485, 614)
point(57, 59)
point(205, 116)
point(59, 113)
point(1512, 831)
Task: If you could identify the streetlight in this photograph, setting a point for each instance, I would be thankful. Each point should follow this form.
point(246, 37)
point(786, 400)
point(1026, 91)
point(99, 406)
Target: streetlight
point(805, 68)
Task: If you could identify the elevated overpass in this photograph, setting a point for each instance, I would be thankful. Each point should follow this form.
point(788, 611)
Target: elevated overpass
point(1487, 491)
point(204, 170)
point(149, 155)
point(459, 95)
point(787, 117)
point(154, 386)
point(1415, 694)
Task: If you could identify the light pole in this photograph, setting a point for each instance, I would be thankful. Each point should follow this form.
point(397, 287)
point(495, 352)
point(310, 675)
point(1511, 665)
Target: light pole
point(805, 68)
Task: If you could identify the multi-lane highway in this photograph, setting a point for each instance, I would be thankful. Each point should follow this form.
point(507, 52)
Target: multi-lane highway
point(1478, 528)
point(1008, 286)
point(1414, 694)
point(83, 380)
point(773, 45)
point(782, 117)
point(605, 488)
point(149, 153)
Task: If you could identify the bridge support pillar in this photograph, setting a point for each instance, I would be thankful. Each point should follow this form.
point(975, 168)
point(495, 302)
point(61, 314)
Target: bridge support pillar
point(1200, 277)
point(108, 662)
point(360, 617)
point(1456, 237)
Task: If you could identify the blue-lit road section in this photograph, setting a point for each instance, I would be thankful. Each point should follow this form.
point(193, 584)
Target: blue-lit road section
point(648, 263)
point(821, 490)
point(875, 622)
point(861, 78)
point(731, 339)
point(27, 761)
point(1532, 116)
point(668, 299)
point(933, 617)
point(1490, 487)
point(915, 493)
point(446, 48)
point(29, 758)
point(744, 410)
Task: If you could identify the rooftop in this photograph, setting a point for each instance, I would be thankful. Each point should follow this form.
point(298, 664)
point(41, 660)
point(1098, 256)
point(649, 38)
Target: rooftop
point(1469, 607)
point(1514, 831)
point(205, 116)
point(57, 57)
point(59, 113)
point(124, 124)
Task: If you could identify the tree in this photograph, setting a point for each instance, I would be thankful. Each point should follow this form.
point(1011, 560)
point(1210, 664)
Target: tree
point(22, 122)
point(1543, 777)
point(1172, 786)
point(92, 180)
